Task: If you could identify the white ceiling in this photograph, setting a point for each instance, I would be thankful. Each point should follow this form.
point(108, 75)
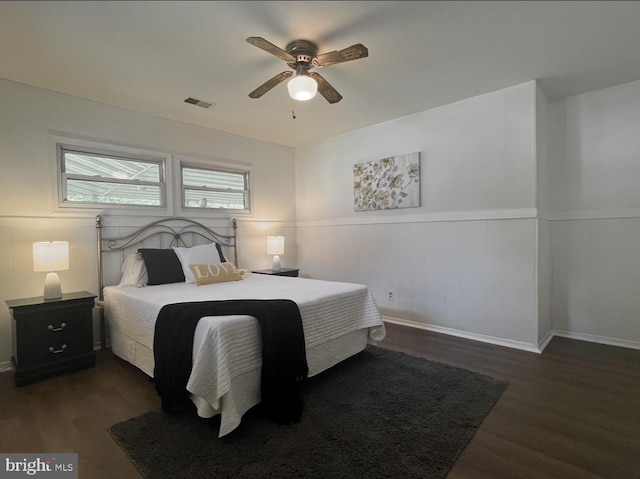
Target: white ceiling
point(149, 56)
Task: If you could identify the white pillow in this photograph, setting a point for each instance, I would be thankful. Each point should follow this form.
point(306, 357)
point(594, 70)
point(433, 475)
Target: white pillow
point(134, 272)
point(202, 254)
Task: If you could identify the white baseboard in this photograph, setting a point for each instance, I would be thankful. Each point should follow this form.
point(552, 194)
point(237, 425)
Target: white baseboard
point(622, 343)
point(545, 341)
point(509, 343)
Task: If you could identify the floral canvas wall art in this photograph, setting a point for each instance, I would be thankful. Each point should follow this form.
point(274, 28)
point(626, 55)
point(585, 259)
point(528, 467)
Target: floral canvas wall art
point(388, 183)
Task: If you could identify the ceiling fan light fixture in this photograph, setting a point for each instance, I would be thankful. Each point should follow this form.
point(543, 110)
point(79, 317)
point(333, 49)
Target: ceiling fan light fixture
point(302, 88)
point(302, 56)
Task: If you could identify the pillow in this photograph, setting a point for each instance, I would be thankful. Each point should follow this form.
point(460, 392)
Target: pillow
point(134, 272)
point(214, 273)
point(163, 266)
point(222, 258)
point(202, 254)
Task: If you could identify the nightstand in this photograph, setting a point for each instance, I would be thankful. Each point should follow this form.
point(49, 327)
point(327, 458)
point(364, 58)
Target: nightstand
point(51, 336)
point(283, 272)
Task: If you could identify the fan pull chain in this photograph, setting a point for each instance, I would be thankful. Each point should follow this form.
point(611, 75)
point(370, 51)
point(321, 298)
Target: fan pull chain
point(293, 112)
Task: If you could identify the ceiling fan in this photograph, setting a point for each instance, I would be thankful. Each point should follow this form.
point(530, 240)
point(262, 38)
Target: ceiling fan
point(302, 56)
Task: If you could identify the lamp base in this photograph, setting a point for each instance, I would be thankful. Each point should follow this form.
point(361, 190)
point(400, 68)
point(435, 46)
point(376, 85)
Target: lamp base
point(52, 286)
point(275, 266)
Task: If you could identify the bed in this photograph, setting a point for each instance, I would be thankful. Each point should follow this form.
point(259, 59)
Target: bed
point(339, 319)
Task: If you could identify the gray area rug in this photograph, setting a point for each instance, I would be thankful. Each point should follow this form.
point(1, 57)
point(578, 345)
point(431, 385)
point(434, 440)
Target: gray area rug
point(379, 414)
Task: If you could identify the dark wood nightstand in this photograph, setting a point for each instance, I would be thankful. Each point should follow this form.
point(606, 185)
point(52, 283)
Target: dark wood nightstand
point(51, 336)
point(283, 272)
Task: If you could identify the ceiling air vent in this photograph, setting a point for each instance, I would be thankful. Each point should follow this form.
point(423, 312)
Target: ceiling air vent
point(198, 102)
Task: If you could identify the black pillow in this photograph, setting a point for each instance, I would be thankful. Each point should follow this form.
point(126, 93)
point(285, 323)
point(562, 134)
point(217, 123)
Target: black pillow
point(163, 266)
point(222, 258)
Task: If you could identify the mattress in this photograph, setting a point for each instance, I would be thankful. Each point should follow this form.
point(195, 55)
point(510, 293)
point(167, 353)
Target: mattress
point(339, 319)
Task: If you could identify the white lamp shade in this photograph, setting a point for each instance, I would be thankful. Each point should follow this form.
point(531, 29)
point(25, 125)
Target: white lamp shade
point(275, 245)
point(302, 88)
point(50, 256)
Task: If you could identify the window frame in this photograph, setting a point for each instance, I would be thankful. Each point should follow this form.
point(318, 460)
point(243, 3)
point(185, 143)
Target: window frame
point(63, 145)
point(212, 166)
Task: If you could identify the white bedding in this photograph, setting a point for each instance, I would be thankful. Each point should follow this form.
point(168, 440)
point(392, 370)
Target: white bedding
point(338, 320)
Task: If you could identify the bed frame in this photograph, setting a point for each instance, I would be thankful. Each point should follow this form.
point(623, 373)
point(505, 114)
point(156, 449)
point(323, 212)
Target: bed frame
point(178, 231)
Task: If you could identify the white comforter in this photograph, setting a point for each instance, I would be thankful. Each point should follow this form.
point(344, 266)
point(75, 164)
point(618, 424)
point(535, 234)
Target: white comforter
point(227, 349)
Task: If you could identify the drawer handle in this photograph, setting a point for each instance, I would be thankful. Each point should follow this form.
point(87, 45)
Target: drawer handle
point(62, 326)
point(56, 351)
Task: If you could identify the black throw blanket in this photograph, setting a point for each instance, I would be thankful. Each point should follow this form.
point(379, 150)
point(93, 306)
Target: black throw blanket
point(284, 361)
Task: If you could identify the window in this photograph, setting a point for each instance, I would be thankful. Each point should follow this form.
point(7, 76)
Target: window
point(119, 179)
point(94, 177)
point(214, 188)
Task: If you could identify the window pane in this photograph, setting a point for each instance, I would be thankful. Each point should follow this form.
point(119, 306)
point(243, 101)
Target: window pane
point(92, 165)
point(214, 199)
point(112, 193)
point(212, 179)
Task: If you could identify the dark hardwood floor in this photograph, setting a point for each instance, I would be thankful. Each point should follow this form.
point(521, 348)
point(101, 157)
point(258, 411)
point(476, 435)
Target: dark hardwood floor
point(571, 412)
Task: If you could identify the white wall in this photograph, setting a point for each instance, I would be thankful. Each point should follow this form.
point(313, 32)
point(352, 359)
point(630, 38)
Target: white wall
point(465, 261)
point(28, 117)
point(594, 170)
point(544, 256)
point(529, 222)
point(477, 155)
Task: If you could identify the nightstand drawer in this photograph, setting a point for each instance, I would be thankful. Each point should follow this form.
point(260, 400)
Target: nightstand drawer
point(54, 337)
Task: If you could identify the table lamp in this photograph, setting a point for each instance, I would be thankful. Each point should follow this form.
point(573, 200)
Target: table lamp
point(275, 246)
point(49, 257)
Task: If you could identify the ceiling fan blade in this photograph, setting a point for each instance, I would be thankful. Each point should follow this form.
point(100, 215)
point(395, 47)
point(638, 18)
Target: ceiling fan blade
point(350, 53)
point(326, 90)
point(269, 84)
point(271, 48)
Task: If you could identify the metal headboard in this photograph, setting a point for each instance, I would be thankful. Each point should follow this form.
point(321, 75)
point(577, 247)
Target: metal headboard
point(177, 229)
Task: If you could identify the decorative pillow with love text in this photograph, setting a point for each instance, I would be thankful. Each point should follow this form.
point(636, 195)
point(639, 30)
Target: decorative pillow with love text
point(214, 273)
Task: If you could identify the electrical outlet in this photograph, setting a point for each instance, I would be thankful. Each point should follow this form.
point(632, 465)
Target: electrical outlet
point(391, 295)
